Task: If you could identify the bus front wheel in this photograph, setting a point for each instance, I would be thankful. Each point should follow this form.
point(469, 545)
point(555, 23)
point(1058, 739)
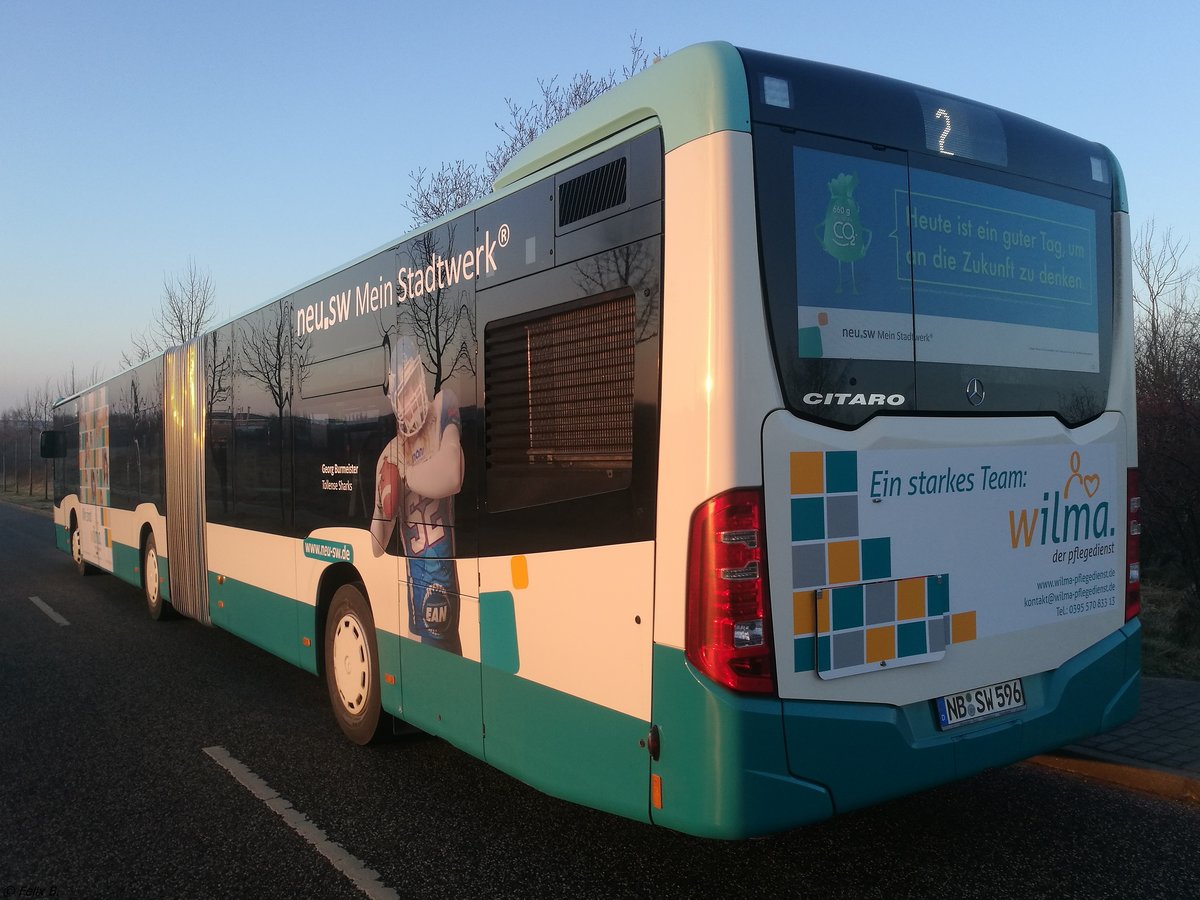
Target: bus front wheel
point(82, 566)
point(352, 664)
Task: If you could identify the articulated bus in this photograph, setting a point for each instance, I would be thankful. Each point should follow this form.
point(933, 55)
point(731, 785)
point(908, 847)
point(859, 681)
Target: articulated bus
point(761, 448)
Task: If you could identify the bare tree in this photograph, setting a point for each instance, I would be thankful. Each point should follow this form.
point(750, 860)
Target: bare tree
point(451, 187)
point(456, 184)
point(6, 433)
point(278, 361)
point(43, 406)
point(73, 382)
point(187, 305)
point(33, 415)
point(1168, 386)
point(266, 345)
point(219, 370)
point(440, 320)
point(628, 266)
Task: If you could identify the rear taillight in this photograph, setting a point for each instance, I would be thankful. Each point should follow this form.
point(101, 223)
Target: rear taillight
point(728, 624)
point(1133, 547)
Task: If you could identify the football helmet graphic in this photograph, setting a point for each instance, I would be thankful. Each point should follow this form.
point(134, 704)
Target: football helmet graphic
point(405, 385)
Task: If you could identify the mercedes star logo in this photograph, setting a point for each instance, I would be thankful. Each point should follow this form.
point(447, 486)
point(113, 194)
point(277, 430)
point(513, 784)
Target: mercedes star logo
point(975, 391)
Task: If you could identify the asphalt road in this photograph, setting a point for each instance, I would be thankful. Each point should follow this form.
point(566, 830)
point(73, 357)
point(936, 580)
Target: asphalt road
point(106, 790)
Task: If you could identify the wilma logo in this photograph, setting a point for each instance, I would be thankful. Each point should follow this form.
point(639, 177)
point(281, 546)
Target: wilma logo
point(1067, 516)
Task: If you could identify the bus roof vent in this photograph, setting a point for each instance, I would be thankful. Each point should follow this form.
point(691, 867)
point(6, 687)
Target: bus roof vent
point(592, 192)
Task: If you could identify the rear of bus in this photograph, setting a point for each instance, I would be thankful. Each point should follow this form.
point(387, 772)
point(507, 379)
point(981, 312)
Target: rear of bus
point(915, 559)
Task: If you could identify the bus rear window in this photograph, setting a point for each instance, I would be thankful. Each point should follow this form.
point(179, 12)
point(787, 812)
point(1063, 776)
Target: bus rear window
point(897, 282)
point(1001, 277)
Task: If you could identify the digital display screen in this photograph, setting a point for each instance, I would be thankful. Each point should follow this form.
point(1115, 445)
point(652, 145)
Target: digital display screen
point(955, 127)
point(899, 263)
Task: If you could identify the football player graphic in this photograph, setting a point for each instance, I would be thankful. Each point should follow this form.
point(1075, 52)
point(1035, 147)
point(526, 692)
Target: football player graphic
point(416, 478)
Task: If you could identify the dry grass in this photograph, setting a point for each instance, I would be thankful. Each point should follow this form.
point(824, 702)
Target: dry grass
point(20, 499)
point(1171, 632)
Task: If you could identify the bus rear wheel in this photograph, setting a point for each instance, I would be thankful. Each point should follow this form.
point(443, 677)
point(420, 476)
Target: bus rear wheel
point(158, 607)
point(352, 665)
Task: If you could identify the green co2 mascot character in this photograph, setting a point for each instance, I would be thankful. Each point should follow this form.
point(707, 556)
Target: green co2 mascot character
point(841, 233)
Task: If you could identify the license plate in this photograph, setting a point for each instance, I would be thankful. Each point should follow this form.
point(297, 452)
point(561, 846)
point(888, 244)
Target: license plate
point(980, 703)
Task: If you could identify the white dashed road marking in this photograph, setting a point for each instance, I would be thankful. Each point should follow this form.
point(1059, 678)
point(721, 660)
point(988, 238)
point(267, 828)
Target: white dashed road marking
point(366, 880)
point(45, 607)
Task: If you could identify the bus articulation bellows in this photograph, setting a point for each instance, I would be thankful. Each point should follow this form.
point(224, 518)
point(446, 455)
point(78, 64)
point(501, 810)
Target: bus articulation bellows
point(764, 446)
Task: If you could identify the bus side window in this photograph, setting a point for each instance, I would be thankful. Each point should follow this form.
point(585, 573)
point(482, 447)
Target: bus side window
point(559, 407)
point(53, 445)
point(569, 396)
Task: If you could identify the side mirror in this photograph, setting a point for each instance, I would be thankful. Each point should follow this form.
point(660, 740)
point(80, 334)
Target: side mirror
point(53, 445)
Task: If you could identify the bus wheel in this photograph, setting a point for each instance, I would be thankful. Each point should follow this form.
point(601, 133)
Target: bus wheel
point(351, 664)
point(158, 607)
point(82, 566)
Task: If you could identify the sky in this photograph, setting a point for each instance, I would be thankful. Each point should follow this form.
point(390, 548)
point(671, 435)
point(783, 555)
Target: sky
point(273, 142)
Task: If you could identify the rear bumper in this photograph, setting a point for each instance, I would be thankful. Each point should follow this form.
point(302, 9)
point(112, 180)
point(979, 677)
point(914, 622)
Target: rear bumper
point(865, 753)
point(734, 766)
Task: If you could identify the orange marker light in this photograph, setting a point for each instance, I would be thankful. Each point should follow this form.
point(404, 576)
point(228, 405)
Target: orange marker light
point(390, 679)
point(307, 642)
point(656, 791)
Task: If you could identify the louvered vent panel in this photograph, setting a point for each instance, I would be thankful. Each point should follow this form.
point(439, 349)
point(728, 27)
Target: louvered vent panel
point(592, 192)
point(559, 406)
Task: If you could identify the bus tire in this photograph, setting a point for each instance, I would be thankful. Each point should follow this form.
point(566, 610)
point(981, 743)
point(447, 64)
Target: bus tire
point(82, 566)
point(352, 664)
point(158, 607)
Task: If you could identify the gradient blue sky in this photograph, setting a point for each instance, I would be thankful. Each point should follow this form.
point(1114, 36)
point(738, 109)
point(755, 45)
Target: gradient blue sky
point(272, 142)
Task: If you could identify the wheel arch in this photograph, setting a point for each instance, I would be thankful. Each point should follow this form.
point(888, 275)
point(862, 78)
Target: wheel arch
point(147, 530)
point(333, 578)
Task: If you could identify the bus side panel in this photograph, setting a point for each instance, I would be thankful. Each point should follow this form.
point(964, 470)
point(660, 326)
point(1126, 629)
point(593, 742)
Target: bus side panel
point(441, 694)
point(252, 586)
point(718, 381)
point(127, 528)
point(566, 746)
point(440, 687)
point(62, 535)
point(566, 651)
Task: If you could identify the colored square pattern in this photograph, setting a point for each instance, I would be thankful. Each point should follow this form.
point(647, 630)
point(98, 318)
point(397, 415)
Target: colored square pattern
point(841, 472)
point(843, 562)
point(808, 519)
point(804, 612)
point(865, 627)
point(876, 558)
point(808, 473)
point(881, 643)
point(849, 614)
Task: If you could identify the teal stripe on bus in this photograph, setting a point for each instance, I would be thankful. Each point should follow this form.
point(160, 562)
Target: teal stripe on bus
point(441, 694)
point(127, 563)
point(558, 743)
point(266, 619)
point(391, 697)
point(566, 746)
point(498, 631)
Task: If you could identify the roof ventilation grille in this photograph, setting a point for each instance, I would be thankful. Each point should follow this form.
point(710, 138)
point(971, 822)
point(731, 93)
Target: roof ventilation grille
point(592, 192)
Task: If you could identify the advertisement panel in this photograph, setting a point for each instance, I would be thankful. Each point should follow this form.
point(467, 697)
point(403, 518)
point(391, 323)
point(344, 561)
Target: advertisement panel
point(899, 555)
point(899, 263)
